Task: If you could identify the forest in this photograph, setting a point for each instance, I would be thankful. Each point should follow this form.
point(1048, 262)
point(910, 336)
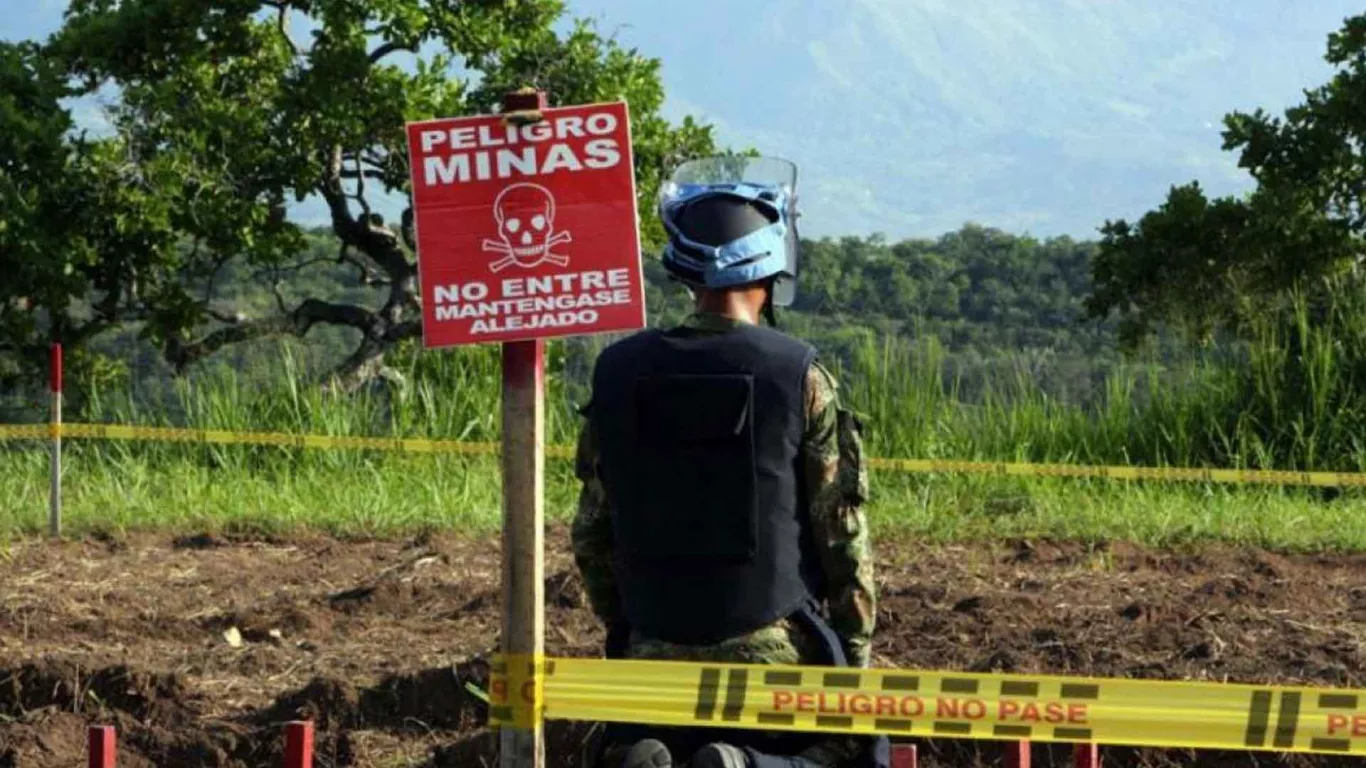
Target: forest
point(998, 304)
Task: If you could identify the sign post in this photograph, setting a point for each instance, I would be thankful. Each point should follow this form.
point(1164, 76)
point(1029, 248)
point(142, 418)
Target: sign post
point(527, 229)
point(523, 744)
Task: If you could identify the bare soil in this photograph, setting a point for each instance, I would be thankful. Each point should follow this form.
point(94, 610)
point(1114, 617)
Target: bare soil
point(199, 648)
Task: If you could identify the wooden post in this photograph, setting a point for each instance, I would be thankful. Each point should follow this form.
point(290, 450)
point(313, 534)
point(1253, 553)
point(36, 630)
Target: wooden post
point(523, 533)
point(299, 744)
point(523, 743)
point(54, 502)
point(100, 741)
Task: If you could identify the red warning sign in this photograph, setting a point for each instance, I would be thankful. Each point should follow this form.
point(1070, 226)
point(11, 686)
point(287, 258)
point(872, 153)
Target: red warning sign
point(528, 231)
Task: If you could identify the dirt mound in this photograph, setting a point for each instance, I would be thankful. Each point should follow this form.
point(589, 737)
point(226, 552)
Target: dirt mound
point(51, 702)
point(428, 699)
point(48, 705)
point(66, 686)
point(200, 649)
point(44, 737)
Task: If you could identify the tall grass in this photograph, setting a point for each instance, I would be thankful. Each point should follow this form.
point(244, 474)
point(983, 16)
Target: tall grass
point(1145, 414)
point(1293, 398)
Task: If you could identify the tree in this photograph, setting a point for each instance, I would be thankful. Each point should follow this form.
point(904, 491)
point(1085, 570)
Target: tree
point(1204, 264)
point(238, 113)
point(77, 220)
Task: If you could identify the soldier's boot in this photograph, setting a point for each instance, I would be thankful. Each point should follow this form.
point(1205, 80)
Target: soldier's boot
point(648, 753)
point(719, 756)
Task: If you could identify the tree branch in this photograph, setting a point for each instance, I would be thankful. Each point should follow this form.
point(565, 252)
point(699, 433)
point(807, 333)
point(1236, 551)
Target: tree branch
point(372, 238)
point(407, 330)
point(224, 317)
point(277, 271)
point(368, 276)
point(212, 284)
point(181, 354)
point(408, 229)
point(282, 23)
point(343, 223)
point(359, 176)
point(390, 47)
point(379, 244)
point(279, 297)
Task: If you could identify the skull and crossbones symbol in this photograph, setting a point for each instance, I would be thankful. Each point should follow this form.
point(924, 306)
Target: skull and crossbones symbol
point(525, 214)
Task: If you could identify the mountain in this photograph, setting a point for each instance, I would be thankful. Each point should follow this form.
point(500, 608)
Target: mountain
point(910, 117)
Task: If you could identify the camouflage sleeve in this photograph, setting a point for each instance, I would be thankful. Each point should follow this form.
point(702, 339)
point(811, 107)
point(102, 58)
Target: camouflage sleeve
point(837, 486)
point(591, 532)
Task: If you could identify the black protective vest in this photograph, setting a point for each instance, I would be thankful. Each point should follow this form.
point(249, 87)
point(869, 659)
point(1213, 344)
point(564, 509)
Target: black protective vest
point(699, 437)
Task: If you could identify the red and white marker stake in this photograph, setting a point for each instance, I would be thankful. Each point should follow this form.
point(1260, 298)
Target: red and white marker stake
point(1086, 756)
point(100, 741)
point(299, 744)
point(54, 512)
point(905, 756)
point(1017, 754)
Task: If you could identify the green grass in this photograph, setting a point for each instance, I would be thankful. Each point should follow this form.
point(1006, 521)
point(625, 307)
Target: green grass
point(391, 495)
point(1293, 399)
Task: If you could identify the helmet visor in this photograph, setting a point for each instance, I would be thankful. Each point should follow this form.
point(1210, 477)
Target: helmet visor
point(736, 169)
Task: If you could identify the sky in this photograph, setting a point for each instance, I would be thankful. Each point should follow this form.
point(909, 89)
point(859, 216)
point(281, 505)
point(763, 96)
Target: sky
point(913, 117)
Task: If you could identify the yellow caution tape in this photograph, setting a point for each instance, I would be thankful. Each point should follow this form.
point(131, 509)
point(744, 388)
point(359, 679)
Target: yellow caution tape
point(282, 439)
point(1143, 713)
point(909, 466)
point(1177, 474)
point(517, 690)
point(26, 432)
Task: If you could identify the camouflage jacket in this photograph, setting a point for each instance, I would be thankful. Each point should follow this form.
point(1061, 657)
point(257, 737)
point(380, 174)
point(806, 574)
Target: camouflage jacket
point(837, 485)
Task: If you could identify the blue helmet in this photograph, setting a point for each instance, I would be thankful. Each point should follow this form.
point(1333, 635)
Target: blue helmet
point(731, 221)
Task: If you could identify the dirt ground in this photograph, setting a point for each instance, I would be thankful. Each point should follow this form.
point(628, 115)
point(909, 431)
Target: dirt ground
point(375, 640)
